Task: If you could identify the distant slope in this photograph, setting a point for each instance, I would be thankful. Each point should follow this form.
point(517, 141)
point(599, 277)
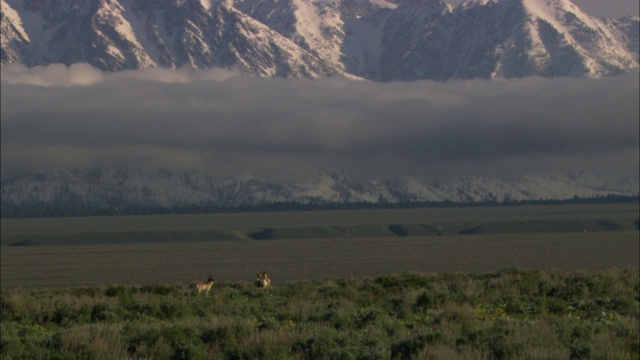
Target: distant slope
point(115, 190)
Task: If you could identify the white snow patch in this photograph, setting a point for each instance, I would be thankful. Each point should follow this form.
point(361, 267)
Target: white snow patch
point(315, 20)
point(124, 27)
point(383, 4)
point(206, 4)
point(553, 11)
point(34, 24)
point(549, 12)
point(12, 15)
point(137, 27)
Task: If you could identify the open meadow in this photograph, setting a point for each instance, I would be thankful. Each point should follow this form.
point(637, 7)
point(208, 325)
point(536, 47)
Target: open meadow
point(539, 282)
point(179, 249)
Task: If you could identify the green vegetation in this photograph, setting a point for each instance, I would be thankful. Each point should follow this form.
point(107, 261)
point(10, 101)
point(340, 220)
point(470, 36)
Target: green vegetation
point(320, 224)
point(359, 312)
point(510, 314)
point(320, 232)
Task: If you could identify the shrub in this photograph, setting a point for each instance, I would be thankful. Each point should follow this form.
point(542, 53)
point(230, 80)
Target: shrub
point(429, 300)
point(114, 291)
point(407, 348)
point(509, 314)
point(158, 289)
point(103, 312)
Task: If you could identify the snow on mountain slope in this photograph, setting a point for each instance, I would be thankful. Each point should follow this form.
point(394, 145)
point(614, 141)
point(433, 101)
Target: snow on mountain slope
point(508, 38)
point(410, 33)
point(375, 39)
point(13, 22)
point(626, 31)
point(113, 30)
point(129, 34)
point(320, 28)
point(595, 41)
point(71, 31)
point(111, 188)
point(317, 26)
point(13, 37)
point(284, 58)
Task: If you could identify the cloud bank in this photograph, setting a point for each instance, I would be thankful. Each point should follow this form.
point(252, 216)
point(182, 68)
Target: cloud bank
point(229, 124)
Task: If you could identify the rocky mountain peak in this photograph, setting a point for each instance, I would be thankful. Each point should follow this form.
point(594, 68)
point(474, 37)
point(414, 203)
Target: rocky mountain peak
point(378, 40)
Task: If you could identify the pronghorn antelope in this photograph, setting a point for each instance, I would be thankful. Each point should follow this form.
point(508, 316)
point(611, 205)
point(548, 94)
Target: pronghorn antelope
point(262, 280)
point(205, 286)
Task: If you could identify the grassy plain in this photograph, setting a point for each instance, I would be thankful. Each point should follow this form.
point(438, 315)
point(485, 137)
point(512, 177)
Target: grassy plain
point(174, 249)
point(320, 224)
point(541, 282)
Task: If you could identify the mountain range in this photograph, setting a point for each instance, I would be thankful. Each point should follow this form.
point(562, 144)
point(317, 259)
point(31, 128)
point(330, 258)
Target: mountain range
point(374, 40)
point(114, 189)
point(378, 40)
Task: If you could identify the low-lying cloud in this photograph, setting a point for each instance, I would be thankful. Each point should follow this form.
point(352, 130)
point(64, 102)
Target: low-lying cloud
point(227, 124)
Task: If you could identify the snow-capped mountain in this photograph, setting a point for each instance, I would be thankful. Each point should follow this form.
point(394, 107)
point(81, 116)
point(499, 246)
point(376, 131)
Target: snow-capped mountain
point(112, 189)
point(117, 35)
point(508, 38)
point(380, 40)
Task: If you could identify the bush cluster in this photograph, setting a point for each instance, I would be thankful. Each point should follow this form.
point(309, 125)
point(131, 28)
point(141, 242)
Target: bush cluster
point(505, 315)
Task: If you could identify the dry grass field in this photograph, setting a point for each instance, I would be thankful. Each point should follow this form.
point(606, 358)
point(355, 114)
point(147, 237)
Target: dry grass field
point(179, 249)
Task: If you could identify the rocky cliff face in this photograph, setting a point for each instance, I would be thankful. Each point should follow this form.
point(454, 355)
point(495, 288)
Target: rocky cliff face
point(375, 40)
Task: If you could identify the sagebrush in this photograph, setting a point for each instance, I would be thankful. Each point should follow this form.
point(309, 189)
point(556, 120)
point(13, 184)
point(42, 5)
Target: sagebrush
point(510, 314)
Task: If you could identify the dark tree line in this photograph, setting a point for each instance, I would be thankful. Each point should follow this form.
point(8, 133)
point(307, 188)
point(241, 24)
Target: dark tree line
point(67, 209)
